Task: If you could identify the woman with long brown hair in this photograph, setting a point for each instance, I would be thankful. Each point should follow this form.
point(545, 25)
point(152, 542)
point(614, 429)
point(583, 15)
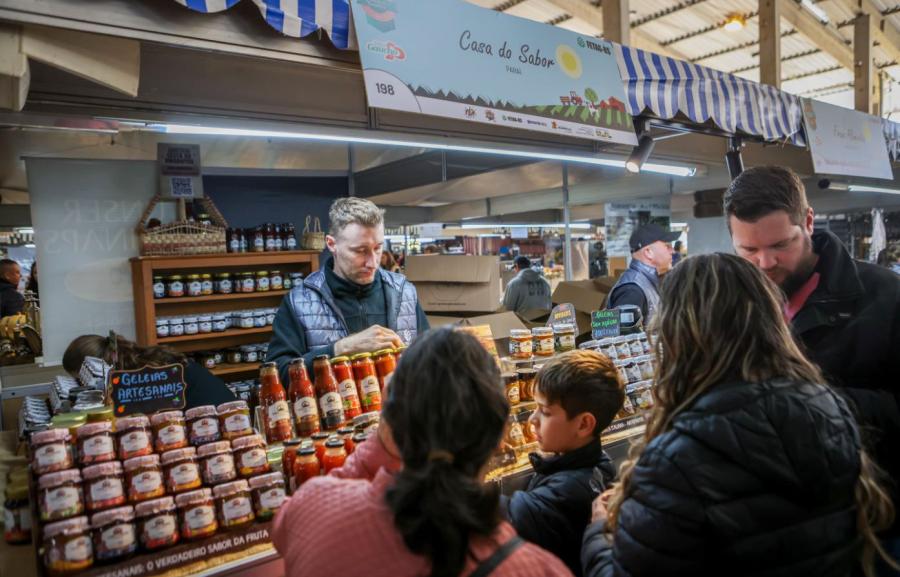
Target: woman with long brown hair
point(748, 466)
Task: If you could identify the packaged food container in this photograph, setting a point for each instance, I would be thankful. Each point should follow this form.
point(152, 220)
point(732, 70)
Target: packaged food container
point(335, 454)
point(511, 385)
point(542, 338)
point(205, 324)
point(385, 365)
point(234, 419)
point(608, 348)
point(134, 437)
point(526, 384)
point(224, 284)
point(623, 350)
point(233, 504)
point(96, 443)
point(633, 371)
point(248, 282)
point(520, 345)
point(262, 281)
point(635, 346)
point(51, 451)
point(645, 364)
point(276, 281)
point(206, 284)
point(143, 478)
point(346, 435)
point(191, 325)
point(270, 316)
point(250, 353)
point(60, 495)
point(162, 328)
point(645, 344)
point(104, 486)
point(219, 323)
point(208, 360)
point(250, 455)
point(159, 287)
point(641, 395)
point(366, 376)
point(176, 326)
point(67, 547)
point(17, 512)
point(217, 463)
point(620, 368)
point(564, 337)
point(114, 535)
point(244, 319)
point(259, 318)
point(515, 435)
point(196, 514)
point(169, 430)
point(157, 523)
point(306, 466)
point(268, 493)
point(175, 286)
point(180, 470)
point(319, 440)
point(234, 356)
point(202, 425)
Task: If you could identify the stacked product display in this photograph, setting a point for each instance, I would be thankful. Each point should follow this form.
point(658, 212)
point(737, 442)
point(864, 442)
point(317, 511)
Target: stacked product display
point(263, 238)
point(200, 324)
point(223, 283)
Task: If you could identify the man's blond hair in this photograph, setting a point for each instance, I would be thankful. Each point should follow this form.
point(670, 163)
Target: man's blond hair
point(351, 210)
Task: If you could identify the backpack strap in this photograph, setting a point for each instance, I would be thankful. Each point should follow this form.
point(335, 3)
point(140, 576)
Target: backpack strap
point(488, 565)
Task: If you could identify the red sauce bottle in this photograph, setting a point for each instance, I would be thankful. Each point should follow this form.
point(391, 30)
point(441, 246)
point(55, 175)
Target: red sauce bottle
point(331, 405)
point(343, 372)
point(385, 365)
point(367, 382)
point(276, 412)
point(303, 399)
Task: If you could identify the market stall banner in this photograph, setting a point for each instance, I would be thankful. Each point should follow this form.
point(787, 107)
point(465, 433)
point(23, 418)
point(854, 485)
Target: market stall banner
point(452, 59)
point(297, 18)
point(892, 136)
point(666, 88)
point(846, 142)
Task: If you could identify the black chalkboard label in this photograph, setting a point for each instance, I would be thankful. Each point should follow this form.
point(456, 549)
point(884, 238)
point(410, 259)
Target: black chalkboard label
point(562, 314)
point(605, 324)
point(147, 390)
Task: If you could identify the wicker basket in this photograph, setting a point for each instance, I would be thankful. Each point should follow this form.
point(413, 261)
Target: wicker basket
point(183, 237)
point(313, 237)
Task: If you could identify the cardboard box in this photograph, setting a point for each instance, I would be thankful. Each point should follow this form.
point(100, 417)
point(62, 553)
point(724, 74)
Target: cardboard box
point(435, 321)
point(586, 295)
point(617, 265)
point(500, 323)
point(456, 283)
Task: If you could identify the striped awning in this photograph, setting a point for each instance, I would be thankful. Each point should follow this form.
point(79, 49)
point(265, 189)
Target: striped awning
point(668, 88)
point(892, 136)
point(297, 18)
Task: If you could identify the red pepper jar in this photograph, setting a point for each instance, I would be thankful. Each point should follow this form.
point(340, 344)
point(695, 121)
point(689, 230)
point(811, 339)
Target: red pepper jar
point(335, 454)
point(330, 402)
point(276, 412)
point(306, 466)
point(343, 372)
point(367, 382)
point(303, 399)
point(385, 365)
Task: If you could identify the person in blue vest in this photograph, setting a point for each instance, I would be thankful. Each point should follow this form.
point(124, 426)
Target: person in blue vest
point(350, 305)
point(651, 257)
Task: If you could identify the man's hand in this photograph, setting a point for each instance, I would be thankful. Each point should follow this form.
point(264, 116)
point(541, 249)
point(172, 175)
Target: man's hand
point(370, 340)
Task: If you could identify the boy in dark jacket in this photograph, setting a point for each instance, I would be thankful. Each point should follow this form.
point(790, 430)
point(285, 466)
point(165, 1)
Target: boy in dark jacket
point(578, 395)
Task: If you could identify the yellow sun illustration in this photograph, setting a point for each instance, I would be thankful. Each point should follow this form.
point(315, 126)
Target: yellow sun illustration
point(568, 61)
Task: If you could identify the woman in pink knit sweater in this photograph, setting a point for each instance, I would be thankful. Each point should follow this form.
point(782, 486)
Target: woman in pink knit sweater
point(411, 501)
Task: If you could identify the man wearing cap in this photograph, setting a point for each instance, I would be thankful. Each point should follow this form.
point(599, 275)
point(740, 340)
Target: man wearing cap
point(651, 257)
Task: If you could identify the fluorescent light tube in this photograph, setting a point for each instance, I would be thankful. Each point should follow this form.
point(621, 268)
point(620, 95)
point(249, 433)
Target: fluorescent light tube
point(574, 226)
point(864, 188)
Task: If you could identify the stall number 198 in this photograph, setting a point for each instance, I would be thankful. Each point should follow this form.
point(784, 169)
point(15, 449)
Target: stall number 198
point(384, 88)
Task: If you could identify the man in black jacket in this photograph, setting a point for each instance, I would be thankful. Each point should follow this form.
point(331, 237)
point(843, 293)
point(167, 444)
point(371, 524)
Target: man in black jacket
point(11, 300)
point(846, 313)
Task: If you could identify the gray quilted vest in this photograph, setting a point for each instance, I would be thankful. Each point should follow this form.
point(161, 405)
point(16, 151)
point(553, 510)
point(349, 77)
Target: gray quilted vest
point(645, 277)
point(312, 304)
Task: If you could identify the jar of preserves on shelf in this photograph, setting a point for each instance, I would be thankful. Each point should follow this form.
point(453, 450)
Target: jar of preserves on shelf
point(233, 504)
point(306, 466)
point(526, 384)
point(217, 463)
point(543, 345)
point(276, 281)
point(95, 443)
point(143, 478)
point(180, 470)
point(191, 325)
point(248, 282)
point(250, 456)
point(262, 281)
point(197, 514)
point(234, 419)
point(608, 347)
point(206, 284)
point(259, 318)
point(244, 319)
point(205, 324)
point(159, 287)
point(224, 285)
point(134, 437)
point(51, 451)
point(194, 285)
point(623, 350)
point(268, 494)
point(67, 547)
point(162, 328)
point(511, 385)
point(520, 345)
point(270, 316)
point(202, 425)
point(114, 535)
point(176, 326)
point(633, 371)
point(564, 337)
point(157, 523)
point(169, 430)
point(250, 353)
point(366, 376)
point(645, 344)
point(635, 346)
point(17, 513)
point(104, 486)
point(219, 323)
point(233, 240)
point(645, 364)
point(175, 286)
point(234, 356)
point(335, 454)
point(60, 495)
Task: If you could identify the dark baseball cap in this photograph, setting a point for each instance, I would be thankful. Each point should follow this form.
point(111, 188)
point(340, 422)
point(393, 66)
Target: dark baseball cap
point(648, 234)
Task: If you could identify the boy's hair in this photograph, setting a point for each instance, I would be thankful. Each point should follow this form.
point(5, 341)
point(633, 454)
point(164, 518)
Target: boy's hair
point(583, 382)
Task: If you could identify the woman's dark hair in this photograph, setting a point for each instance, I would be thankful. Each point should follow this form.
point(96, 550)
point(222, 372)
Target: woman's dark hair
point(447, 410)
point(131, 354)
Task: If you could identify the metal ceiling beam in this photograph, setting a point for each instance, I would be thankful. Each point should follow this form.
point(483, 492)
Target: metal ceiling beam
point(825, 36)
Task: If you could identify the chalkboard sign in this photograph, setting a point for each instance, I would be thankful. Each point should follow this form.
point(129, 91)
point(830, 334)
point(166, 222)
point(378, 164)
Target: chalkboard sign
point(605, 324)
point(561, 315)
point(147, 390)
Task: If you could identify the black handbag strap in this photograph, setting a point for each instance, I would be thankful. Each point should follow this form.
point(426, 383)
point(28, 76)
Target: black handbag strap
point(488, 565)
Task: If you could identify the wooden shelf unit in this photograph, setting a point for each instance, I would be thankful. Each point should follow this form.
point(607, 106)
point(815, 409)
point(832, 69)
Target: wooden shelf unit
point(235, 369)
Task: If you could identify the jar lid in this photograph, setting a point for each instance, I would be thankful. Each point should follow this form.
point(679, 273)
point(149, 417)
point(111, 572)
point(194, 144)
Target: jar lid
point(206, 275)
point(201, 411)
point(170, 457)
point(383, 352)
point(193, 497)
point(154, 506)
point(359, 356)
point(92, 429)
point(193, 276)
point(134, 422)
point(119, 514)
point(246, 442)
point(176, 320)
point(50, 436)
point(214, 449)
point(223, 275)
point(220, 317)
point(399, 350)
point(334, 443)
point(102, 470)
point(246, 274)
point(529, 373)
point(228, 489)
point(232, 406)
point(345, 431)
point(269, 365)
point(205, 318)
point(261, 481)
point(359, 437)
point(262, 273)
point(161, 322)
point(276, 272)
point(292, 442)
point(69, 526)
point(157, 277)
point(542, 331)
point(366, 419)
point(319, 436)
point(175, 277)
point(58, 478)
point(321, 358)
point(306, 450)
point(339, 360)
point(190, 320)
point(165, 417)
point(138, 462)
point(521, 333)
point(564, 328)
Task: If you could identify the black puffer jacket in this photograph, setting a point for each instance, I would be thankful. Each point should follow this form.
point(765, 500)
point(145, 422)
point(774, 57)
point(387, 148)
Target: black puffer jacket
point(754, 479)
point(555, 508)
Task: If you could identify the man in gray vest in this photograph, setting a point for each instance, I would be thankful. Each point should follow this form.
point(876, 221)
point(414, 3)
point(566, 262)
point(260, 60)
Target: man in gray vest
point(651, 257)
point(350, 305)
point(528, 291)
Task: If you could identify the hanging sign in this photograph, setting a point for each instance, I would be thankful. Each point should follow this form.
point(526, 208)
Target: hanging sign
point(561, 315)
point(147, 390)
point(179, 170)
point(846, 142)
point(605, 324)
point(452, 59)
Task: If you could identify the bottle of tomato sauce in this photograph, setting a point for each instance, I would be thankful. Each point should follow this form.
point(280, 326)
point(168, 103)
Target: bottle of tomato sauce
point(343, 372)
point(276, 412)
point(302, 394)
point(331, 404)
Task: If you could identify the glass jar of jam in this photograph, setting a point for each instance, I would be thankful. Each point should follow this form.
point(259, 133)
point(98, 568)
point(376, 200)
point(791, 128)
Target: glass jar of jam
point(330, 402)
point(217, 463)
point(220, 323)
point(202, 425)
point(104, 486)
point(564, 337)
point(306, 466)
point(60, 495)
point(319, 440)
point(134, 437)
point(635, 346)
point(233, 504)
point(262, 281)
point(197, 514)
point(250, 456)
point(224, 285)
point(277, 420)
point(268, 495)
point(67, 547)
point(645, 344)
point(346, 435)
point(234, 419)
point(205, 324)
point(608, 348)
point(180, 470)
point(159, 287)
point(367, 386)
point(288, 458)
point(385, 365)
point(169, 431)
point(248, 282)
point(194, 285)
point(526, 384)
point(276, 281)
point(335, 454)
point(143, 478)
point(176, 326)
point(114, 535)
point(175, 286)
point(623, 349)
point(302, 395)
point(520, 344)
point(512, 386)
point(162, 328)
point(96, 443)
point(157, 523)
point(191, 325)
point(542, 338)
point(343, 372)
point(51, 451)
point(206, 284)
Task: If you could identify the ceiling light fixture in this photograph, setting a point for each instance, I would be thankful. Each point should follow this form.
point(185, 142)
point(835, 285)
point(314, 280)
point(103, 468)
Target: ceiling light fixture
point(640, 154)
point(866, 188)
point(573, 226)
point(735, 22)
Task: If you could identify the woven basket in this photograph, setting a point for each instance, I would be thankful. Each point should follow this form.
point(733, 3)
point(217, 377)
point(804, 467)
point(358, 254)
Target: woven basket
point(183, 237)
point(313, 237)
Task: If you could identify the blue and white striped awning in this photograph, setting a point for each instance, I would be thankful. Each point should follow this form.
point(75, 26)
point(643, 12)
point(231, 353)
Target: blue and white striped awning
point(892, 136)
point(297, 18)
point(668, 88)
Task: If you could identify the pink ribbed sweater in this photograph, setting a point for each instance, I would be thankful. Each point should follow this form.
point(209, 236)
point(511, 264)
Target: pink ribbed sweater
point(340, 526)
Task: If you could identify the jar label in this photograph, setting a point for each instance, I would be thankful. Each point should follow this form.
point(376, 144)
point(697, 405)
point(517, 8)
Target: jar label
point(236, 508)
point(331, 402)
point(107, 489)
point(248, 284)
point(262, 283)
point(99, 445)
point(225, 286)
point(278, 411)
point(185, 474)
point(63, 498)
point(160, 527)
point(9, 521)
point(78, 549)
point(220, 465)
point(291, 243)
point(305, 408)
point(119, 537)
point(147, 482)
point(276, 282)
point(566, 342)
point(219, 326)
point(520, 347)
point(237, 422)
point(205, 427)
point(512, 393)
point(171, 435)
point(200, 517)
point(159, 290)
point(253, 458)
point(53, 454)
point(206, 327)
point(516, 435)
point(234, 245)
point(272, 499)
point(206, 287)
point(135, 441)
point(348, 392)
point(270, 243)
point(194, 288)
point(369, 386)
point(545, 346)
point(176, 287)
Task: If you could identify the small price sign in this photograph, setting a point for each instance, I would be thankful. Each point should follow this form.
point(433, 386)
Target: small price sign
point(147, 390)
point(561, 315)
point(605, 324)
